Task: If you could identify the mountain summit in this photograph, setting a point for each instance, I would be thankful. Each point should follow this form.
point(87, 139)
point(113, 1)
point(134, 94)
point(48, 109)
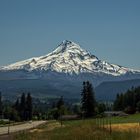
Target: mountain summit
point(69, 58)
point(62, 72)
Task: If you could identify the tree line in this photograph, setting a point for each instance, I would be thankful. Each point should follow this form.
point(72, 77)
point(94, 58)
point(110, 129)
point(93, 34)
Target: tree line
point(88, 107)
point(24, 109)
point(21, 110)
point(128, 101)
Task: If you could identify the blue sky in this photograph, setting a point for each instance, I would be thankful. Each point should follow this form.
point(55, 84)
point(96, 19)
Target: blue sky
point(110, 29)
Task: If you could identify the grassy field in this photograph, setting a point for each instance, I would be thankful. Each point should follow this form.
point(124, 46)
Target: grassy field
point(86, 130)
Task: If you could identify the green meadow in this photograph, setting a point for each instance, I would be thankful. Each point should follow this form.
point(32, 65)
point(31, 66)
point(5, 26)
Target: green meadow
point(88, 129)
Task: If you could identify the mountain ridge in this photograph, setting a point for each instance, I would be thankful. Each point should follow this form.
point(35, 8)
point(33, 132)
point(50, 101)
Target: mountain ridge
point(69, 58)
point(62, 72)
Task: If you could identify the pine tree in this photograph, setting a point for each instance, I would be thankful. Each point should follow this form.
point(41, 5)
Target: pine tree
point(53, 105)
point(0, 106)
point(29, 107)
point(17, 105)
point(84, 99)
point(60, 102)
point(88, 100)
point(60, 108)
point(23, 107)
point(15, 111)
point(119, 102)
point(128, 101)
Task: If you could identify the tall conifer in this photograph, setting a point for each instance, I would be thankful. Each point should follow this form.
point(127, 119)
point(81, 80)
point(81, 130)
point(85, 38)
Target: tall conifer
point(29, 107)
point(88, 100)
point(0, 106)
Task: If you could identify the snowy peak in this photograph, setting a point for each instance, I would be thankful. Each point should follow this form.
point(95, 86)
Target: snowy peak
point(68, 46)
point(71, 48)
point(69, 58)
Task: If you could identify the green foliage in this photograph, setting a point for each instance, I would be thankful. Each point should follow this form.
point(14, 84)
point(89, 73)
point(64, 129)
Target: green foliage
point(29, 107)
point(58, 109)
point(128, 101)
point(88, 101)
point(101, 108)
point(138, 106)
point(80, 130)
point(23, 107)
point(3, 123)
point(1, 110)
point(20, 110)
point(54, 114)
point(76, 109)
point(60, 102)
point(119, 102)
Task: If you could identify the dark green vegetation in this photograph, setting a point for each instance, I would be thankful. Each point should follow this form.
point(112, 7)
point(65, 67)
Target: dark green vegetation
point(58, 109)
point(128, 101)
point(52, 87)
point(0, 105)
point(92, 121)
point(87, 129)
point(26, 108)
point(21, 110)
point(88, 101)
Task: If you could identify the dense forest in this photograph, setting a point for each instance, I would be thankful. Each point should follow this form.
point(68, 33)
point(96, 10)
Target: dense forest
point(28, 108)
point(128, 101)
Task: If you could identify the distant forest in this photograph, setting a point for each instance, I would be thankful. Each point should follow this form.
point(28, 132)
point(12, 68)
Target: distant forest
point(128, 101)
point(27, 108)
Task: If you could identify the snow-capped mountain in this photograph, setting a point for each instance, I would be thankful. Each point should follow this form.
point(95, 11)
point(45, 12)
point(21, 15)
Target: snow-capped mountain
point(62, 72)
point(69, 58)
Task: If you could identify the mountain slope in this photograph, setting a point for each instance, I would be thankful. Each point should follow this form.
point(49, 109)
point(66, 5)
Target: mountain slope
point(112, 88)
point(69, 58)
point(61, 72)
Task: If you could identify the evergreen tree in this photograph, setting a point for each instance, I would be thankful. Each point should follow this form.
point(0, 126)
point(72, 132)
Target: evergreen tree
point(138, 106)
point(29, 107)
point(119, 102)
point(53, 105)
point(88, 100)
point(23, 107)
point(16, 111)
point(84, 99)
point(101, 108)
point(128, 101)
point(1, 106)
point(17, 105)
point(60, 102)
point(60, 108)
